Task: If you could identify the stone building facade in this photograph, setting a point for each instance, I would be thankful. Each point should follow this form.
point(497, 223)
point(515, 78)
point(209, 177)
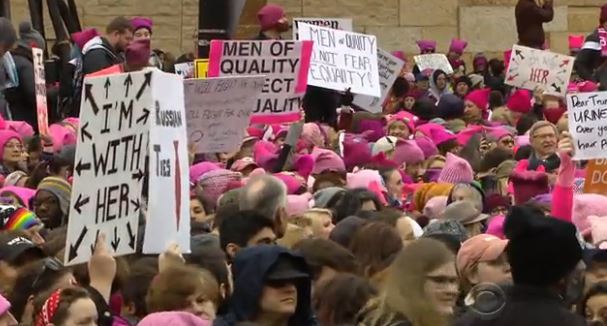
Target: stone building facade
point(488, 25)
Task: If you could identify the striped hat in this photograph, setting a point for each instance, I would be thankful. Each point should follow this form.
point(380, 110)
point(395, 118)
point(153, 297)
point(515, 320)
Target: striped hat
point(17, 218)
point(61, 189)
point(456, 170)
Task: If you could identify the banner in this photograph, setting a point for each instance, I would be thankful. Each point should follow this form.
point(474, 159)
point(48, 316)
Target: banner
point(531, 68)
point(588, 124)
point(201, 68)
point(40, 87)
point(433, 61)
point(285, 65)
point(596, 177)
point(343, 24)
point(109, 164)
point(168, 219)
point(185, 69)
point(389, 68)
point(218, 111)
point(342, 60)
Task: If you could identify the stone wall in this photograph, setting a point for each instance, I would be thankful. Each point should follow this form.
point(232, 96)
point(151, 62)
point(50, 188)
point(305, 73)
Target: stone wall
point(488, 25)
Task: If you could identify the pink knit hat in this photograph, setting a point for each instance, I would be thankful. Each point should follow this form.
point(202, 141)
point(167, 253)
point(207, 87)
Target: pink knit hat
point(292, 181)
point(243, 163)
point(585, 205)
point(5, 137)
point(173, 318)
point(426, 45)
point(298, 204)
point(436, 132)
point(496, 226)
point(23, 128)
point(458, 46)
point(216, 182)
point(356, 151)
point(81, 38)
point(313, 135)
point(528, 184)
point(408, 118)
point(586, 86)
point(435, 207)
point(480, 98)
point(380, 161)
point(426, 145)
point(399, 54)
point(198, 169)
point(269, 15)
point(464, 136)
point(363, 178)
point(326, 160)
point(142, 22)
point(265, 154)
point(497, 133)
point(456, 170)
point(407, 152)
point(24, 194)
point(61, 136)
point(519, 101)
point(576, 42)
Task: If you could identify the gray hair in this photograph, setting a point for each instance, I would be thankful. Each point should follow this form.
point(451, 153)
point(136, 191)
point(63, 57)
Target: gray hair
point(264, 194)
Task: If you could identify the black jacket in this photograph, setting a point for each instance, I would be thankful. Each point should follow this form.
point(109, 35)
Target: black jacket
point(529, 22)
point(99, 56)
point(525, 306)
point(589, 59)
point(22, 99)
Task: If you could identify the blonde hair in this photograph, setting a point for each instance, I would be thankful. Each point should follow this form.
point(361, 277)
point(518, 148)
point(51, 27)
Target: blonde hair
point(294, 235)
point(313, 216)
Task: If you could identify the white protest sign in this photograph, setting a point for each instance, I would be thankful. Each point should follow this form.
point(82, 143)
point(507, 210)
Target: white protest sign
point(168, 219)
point(433, 61)
point(185, 69)
point(532, 68)
point(389, 68)
point(218, 111)
point(110, 158)
point(588, 124)
point(285, 65)
point(342, 60)
point(40, 87)
point(344, 24)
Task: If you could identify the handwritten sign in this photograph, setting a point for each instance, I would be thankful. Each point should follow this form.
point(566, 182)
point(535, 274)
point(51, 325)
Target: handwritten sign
point(218, 111)
point(389, 68)
point(343, 24)
point(531, 68)
point(342, 60)
point(588, 124)
point(40, 87)
point(433, 61)
point(596, 177)
point(109, 165)
point(185, 69)
point(201, 68)
point(168, 219)
point(285, 65)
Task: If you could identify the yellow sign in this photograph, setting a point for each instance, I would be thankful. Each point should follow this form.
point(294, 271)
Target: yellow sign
point(596, 177)
point(201, 68)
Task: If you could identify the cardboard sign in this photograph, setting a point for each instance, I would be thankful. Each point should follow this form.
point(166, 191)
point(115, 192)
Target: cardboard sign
point(40, 87)
point(389, 68)
point(596, 177)
point(285, 65)
point(588, 124)
point(109, 165)
point(433, 61)
point(218, 111)
point(343, 24)
point(531, 68)
point(185, 70)
point(168, 219)
point(342, 60)
point(201, 68)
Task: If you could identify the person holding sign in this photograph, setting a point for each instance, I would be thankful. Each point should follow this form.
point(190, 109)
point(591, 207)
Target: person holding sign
point(273, 22)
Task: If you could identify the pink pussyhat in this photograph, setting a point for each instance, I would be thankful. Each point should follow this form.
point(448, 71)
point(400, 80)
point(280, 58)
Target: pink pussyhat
point(298, 204)
point(363, 178)
point(409, 119)
point(426, 45)
point(464, 136)
point(265, 154)
point(23, 128)
point(198, 169)
point(496, 226)
point(399, 54)
point(81, 38)
point(456, 170)
point(587, 86)
point(294, 183)
point(356, 151)
point(407, 152)
point(61, 136)
point(327, 161)
point(458, 46)
point(576, 42)
point(426, 145)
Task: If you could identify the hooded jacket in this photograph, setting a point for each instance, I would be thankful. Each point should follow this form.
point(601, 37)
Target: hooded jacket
point(251, 265)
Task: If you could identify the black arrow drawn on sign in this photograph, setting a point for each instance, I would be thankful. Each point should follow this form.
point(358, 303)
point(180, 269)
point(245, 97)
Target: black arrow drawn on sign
point(519, 54)
point(138, 175)
point(137, 204)
point(144, 116)
point(94, 242)
point(74, 247)
point(84, 133)
point(80, 202)
point(116, 240)
point(131, 236)
point(556, 87)
point(82, 167)
point(146, 82)
point(88, 96)
point(128, 81)
point(107, 86)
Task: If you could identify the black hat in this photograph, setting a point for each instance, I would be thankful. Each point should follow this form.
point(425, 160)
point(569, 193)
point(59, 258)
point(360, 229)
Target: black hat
point(12, 247)
point(286, 268)
point(542, 249)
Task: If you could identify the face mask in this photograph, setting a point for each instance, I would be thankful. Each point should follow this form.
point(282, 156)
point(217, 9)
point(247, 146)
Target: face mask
point(553, 115)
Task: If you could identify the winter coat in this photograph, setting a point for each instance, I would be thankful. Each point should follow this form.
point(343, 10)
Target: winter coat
point(22, 99)
point(589, 59)
point(98, 54)
point(529, 22)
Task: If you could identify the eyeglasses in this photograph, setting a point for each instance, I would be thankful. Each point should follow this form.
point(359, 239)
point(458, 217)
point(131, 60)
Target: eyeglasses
point(51, 264)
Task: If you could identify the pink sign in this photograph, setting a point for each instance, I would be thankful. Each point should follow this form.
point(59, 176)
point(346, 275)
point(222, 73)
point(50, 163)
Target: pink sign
point(40, 89)
point(285, 65)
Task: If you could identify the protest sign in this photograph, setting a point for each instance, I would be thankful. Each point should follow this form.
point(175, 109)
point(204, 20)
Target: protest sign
point(285, 65)
point(433, 61)
point(343, 24)
point(389, 68)
point(342, 60)
point(531, 68)
point(168, 219)
point(201, 70)
point(109, 164)
point(40, 87)
point(596, 177)
point(185, 70)
point(588, 124)
point(218, 111)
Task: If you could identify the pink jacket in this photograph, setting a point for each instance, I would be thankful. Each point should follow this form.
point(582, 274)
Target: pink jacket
point(562, 194)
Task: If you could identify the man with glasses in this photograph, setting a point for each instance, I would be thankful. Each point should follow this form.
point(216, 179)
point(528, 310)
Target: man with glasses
point(543, 137)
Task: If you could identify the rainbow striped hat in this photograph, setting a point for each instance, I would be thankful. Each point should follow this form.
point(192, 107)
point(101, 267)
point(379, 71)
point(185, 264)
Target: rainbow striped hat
point(17, 218)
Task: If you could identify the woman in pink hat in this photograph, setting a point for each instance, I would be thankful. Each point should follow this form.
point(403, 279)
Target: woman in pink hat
point(12, 156)
point(142, 30)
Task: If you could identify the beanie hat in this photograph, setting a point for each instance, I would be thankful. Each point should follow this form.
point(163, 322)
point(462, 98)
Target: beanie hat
point(326, 160)
point(5, 137)
point(198, 169)
point(303, 165)
point(82, 37)
point(520, 101)
point(380, 161)
point(324, 196)
point(479, 59)
point(265, 154)
point(497, 133)
point(142, 22)
point(480, 98)
point(23, 128)
point(464, 136)
point(407, 152)
point(426, 45)
point(450, 107)
point(29, 37)
point(384, 145)
point(458, 46)
point(371, 130)
point(61, 189)
point(138, 53)
point(313, 134)
point(528, 184)
point(269, 15)
point(356, 151)
point(173, 318)
point(363, 178)
point(456, 170)
point(478, 81)
point(495, 226)
point(25, 195)
point(294, 183)
point(495, 201)
point(585, 205)
point(216, 182)
point(428, 191)
point(586, 86)
point(426, 145)
point(298, 204)
point(576, 42)
point(17, 218)
point(61, 136)
point(603, 16)
point(437, 133)
point(404, 116)
point(462, 79)
point(542, 250)
point(478, 249)
point(435, 207)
